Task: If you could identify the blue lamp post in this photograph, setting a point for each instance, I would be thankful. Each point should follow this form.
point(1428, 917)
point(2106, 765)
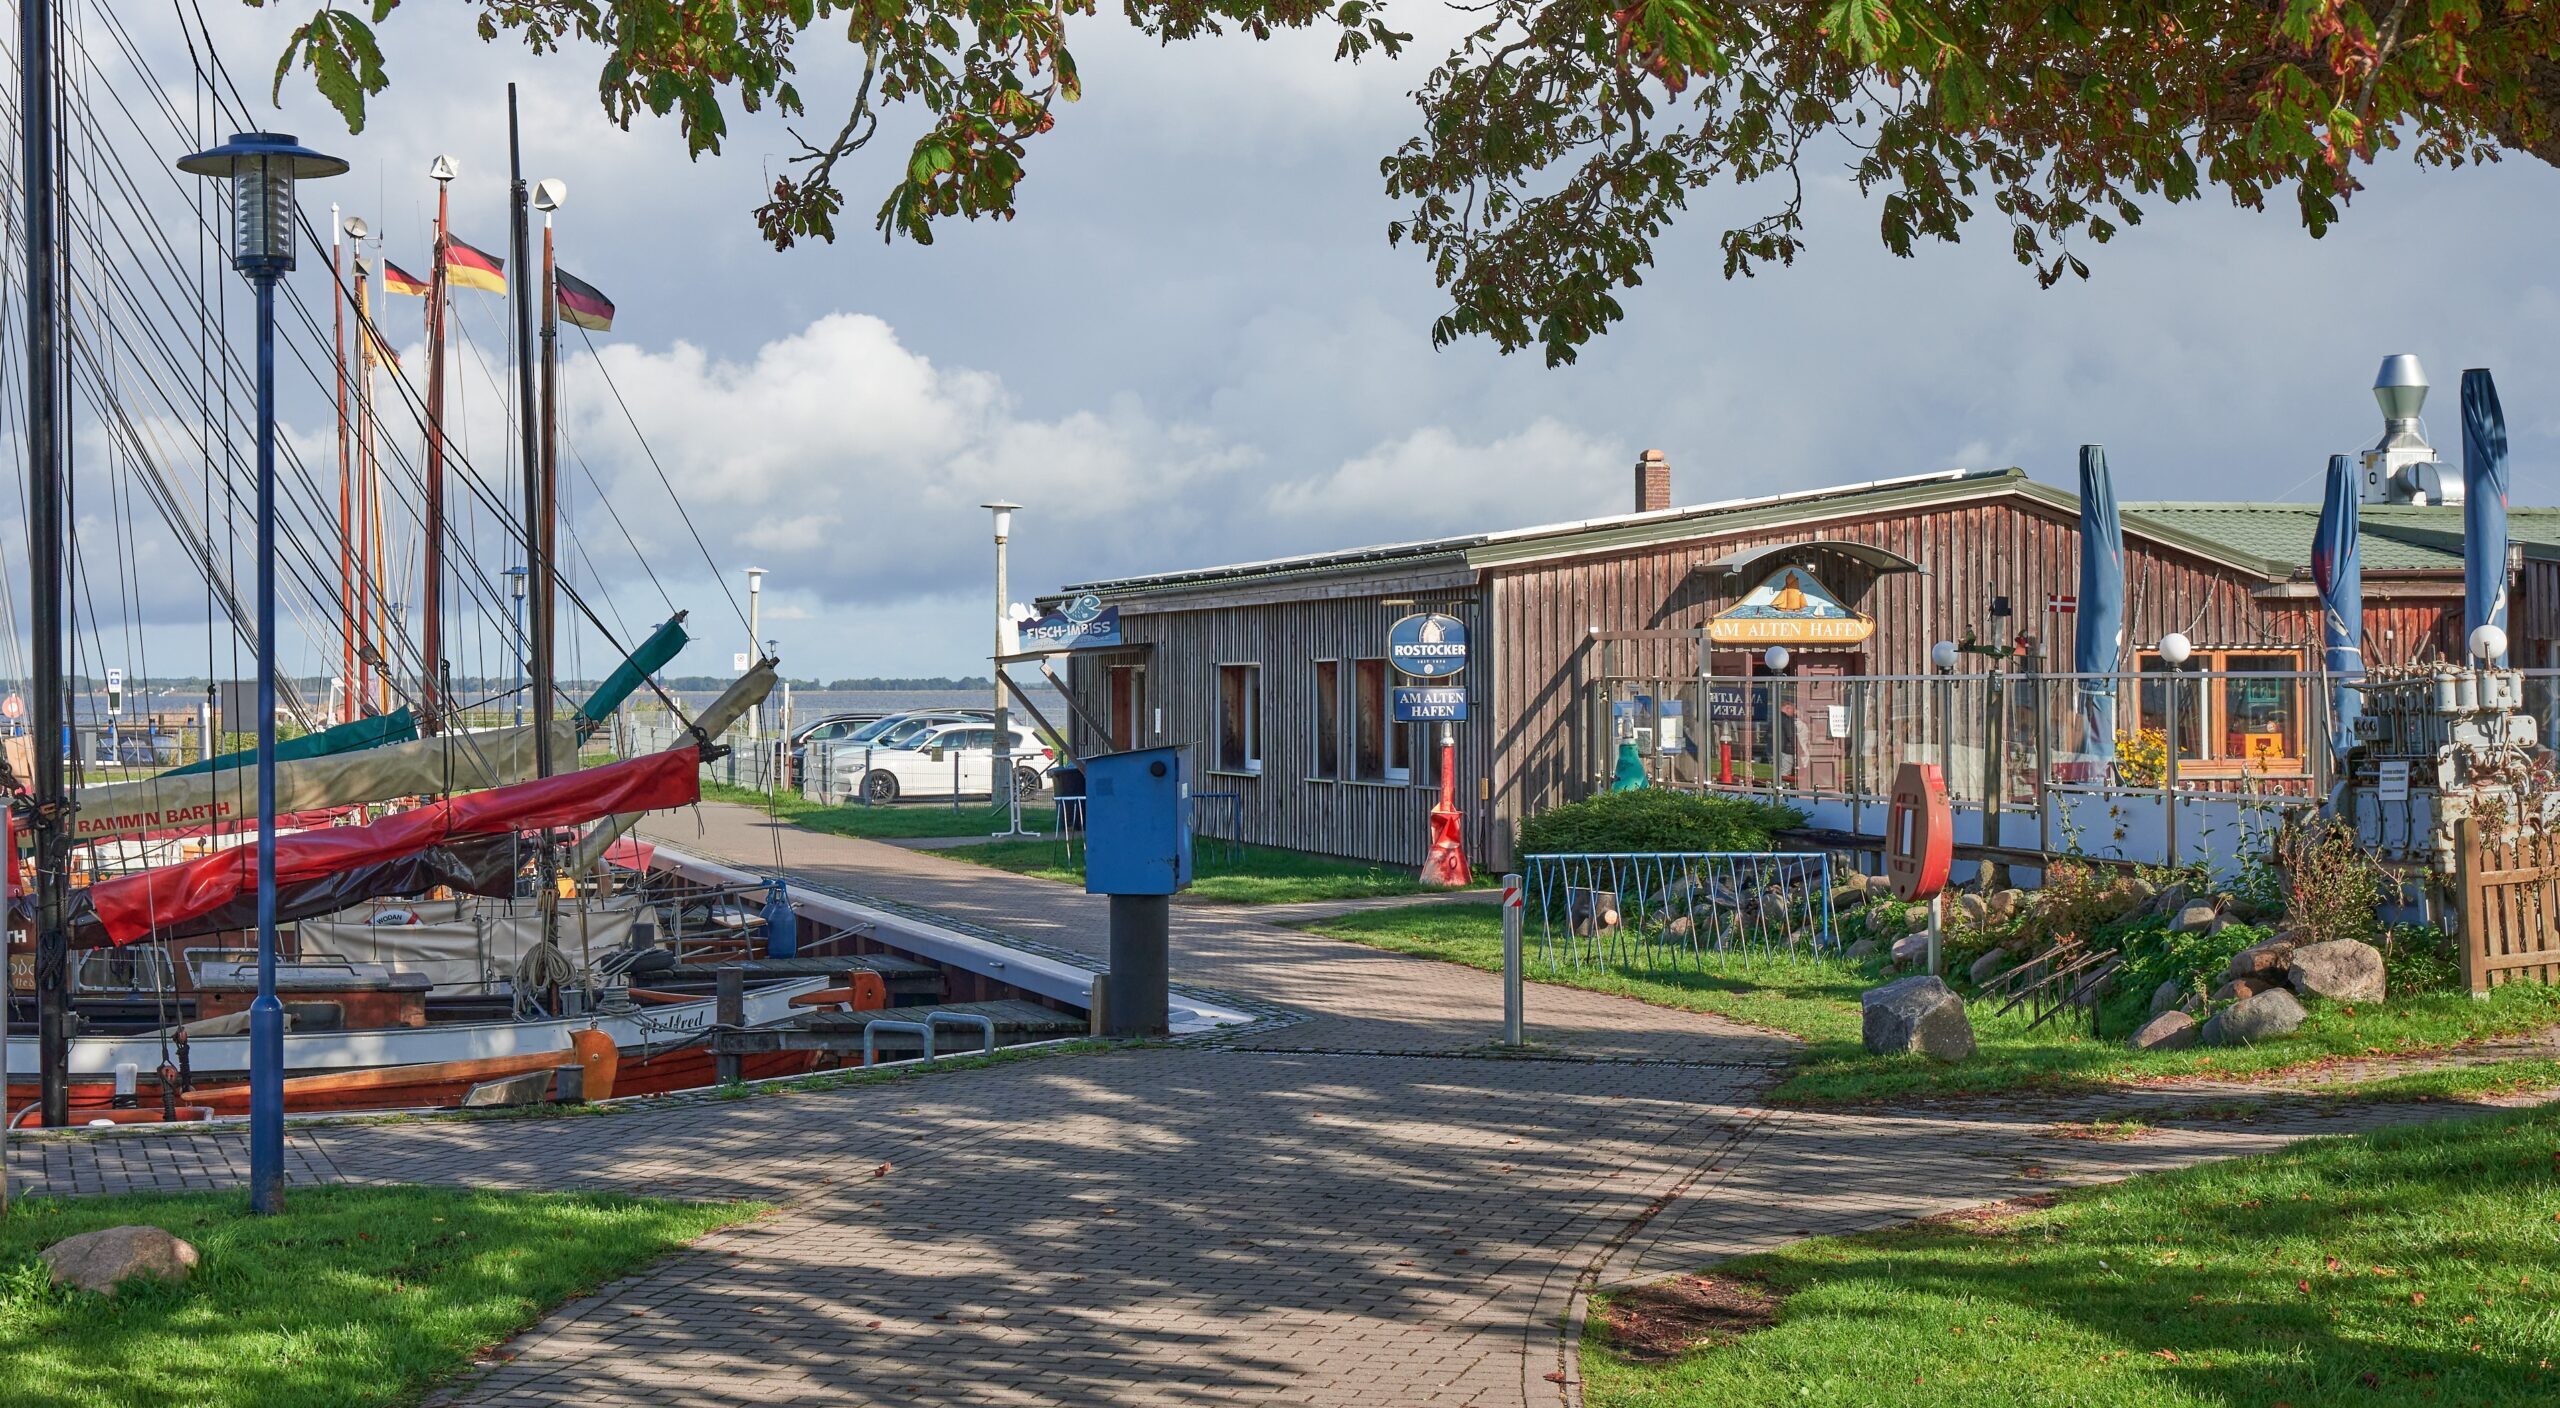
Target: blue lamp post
point(262, 168)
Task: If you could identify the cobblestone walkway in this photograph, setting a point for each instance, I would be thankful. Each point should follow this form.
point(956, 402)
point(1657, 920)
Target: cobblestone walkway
point(1364, 1206)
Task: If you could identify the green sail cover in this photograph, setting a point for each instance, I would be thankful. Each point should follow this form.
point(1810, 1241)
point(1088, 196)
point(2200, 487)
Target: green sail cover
point(652, 656)
point(398, 726)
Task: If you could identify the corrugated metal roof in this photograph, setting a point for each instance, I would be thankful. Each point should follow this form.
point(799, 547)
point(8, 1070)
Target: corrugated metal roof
point(2390, 537)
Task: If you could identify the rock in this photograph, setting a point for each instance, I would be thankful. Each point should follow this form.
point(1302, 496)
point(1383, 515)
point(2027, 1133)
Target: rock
point(1916, 1014)
point(109, 1257)
point(2264, 961)
point(2196, 918)
point(1918, 920)
point(2268, 1015)
point(1845, 900)
point(1849, 882)
point(2239, 988)
point(2341, 970)
point(2005, 904)
point(1863, 948)
point(1972, 908)
point(2139, 889)
point(2170, 900)
point(2167, 996)
point(1679, 928)
point(2169, 1031)
point(1989, 966)
point(2097, 991)
point(1911, 949)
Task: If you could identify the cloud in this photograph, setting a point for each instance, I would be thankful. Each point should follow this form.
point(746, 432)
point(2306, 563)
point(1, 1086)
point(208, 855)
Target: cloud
point(1433, 480)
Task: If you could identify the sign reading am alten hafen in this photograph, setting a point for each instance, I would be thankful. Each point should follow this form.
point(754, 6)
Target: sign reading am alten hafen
point(1791, 608)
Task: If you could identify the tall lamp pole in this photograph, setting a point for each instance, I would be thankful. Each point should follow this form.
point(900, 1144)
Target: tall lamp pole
point(1000, 784)
point(755, 635)
point(262, 168)
point(515, 590)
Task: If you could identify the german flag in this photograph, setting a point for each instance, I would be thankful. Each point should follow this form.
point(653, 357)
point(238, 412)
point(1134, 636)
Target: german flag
point(581, 303)
point(398, 280)
point(466, 267)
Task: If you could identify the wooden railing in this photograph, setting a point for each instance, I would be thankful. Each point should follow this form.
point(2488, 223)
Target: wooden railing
point(2508, 893)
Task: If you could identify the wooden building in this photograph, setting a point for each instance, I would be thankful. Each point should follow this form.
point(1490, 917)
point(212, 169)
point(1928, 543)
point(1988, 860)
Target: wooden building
point(1274, 673)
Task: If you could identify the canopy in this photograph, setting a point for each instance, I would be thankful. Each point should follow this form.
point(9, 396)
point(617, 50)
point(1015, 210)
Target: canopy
point(2484, 507)
point(136, 906)
point(398, 726)
point(2338, 570)
point(2098, 642)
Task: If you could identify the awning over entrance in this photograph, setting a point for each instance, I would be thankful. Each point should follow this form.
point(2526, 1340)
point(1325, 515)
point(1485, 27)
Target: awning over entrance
point(1752, 560)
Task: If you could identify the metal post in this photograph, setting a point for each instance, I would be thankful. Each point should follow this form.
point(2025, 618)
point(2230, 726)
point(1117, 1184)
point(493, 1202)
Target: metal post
point(1937, 926)
point(1140, 1001)
point(729, 1012)
point(1512, 913)
point(266, 1014)
point(2169, 769)
point(44, 560)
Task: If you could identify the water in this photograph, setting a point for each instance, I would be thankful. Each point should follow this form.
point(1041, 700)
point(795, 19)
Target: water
point(810, 704)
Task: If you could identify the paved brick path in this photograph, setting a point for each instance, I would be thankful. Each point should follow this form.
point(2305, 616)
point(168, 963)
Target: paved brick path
point(1361, 1207)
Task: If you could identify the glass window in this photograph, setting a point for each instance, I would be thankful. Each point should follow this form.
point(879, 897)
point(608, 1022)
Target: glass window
point(1327, 714)
point(2261, 719)
point(1240, 718)
point(2151, 705)
point(1370, 731)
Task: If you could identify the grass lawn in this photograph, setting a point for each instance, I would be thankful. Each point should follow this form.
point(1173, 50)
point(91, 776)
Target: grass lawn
point(1818, 1001)
point(905, 820)
point(1258, 874)
point(352, 1296)
point(2413, 1266)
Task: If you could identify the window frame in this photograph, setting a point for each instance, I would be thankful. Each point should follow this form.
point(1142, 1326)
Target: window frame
point(1324, 754)
point(1250, 735)
point(1395, 744)
point(2208, 669)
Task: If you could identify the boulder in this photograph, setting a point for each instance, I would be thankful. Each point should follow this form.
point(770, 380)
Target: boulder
point(2097, 991)
point(1912, 949)
point(1972, 908)
point(109, 1257)
point(1863, 948)
point(2341, 970)
point(2170, 900)
point(1917, 922)
point(1916, 1014)
point(2269, 1015)
point(1679, 929)
point(2197, 917)
point(2167, 996)
point(2239, 988)
point(2169, 1031)
point(2005, 904)
point(1989, 966)
point(2138, 891)
point(2265, 960)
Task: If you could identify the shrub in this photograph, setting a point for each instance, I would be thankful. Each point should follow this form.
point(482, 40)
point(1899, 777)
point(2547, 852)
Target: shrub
point(1653, 819)
point(2195, 961)
point(2333, 888)
point(2419, 958)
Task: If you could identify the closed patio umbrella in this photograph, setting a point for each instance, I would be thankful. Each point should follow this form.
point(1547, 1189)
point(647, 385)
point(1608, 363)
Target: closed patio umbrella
point(2099, 640)
point(2484, 507)
point(2338, 570)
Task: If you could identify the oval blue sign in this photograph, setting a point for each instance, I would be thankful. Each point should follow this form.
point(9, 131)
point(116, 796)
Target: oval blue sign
point(1428, 646)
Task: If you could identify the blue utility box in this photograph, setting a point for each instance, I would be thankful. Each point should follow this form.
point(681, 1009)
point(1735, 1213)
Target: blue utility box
point(1137, 823)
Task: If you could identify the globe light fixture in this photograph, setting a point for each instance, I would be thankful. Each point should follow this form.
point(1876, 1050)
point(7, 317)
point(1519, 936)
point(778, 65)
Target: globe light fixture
point(2488, 643)
point(1777, 659)
point(2175, 648)
point(1944, 655)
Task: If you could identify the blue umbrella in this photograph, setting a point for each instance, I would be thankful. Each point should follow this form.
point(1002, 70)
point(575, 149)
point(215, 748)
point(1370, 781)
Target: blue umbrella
point(2338, 570)
point(2484, 507)
point(2099, 640)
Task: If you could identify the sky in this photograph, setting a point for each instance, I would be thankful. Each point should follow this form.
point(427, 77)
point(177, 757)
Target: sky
point(1195, 345)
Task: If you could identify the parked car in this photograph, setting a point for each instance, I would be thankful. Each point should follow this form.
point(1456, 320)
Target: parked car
point(946, 755)
point(876, 731)
point(832, 728)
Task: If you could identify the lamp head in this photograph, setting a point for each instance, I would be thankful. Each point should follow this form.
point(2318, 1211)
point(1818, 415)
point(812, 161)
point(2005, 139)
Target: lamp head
point(1003, 511)
point(1776, 658)
point(355, 227)
point(262, 168)
point(2175, 648)
point(443, 169)
point(1944, 655)
point(549, 194)
point(755, 579)
point(2488, 643)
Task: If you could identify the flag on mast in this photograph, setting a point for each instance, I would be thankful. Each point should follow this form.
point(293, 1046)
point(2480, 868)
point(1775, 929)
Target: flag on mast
point(581, 303)
point(467, 267)
point(398, 280)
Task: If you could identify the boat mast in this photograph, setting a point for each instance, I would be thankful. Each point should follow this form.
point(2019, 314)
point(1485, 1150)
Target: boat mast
point(49, 821)
point(346, 481)
point(359, 606)
point(431, 690)
point(537, 513)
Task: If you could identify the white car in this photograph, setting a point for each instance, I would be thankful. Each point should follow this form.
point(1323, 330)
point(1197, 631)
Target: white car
point(944, 756)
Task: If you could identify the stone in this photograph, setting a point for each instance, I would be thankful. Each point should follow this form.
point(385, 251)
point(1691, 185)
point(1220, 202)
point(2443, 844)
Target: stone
point(2251, 1020)
point(1849, 882)
point(2265, 961)
point(2097, 991)
point(2167, 996)
point(109, 1257)
point(2005, 904)
point(2239, 988)
point(2196, 918)
point(1918, 920)
point(1911, 949)
point(1989, 966)
point(1918, 1013)
point(531, 1088)
point(2170, 900)
point(2341, 970)
point(1863, 948)
point(1679, 929)
point(2168, 1031)
point(2139, 889)
point(1844, 899)
point(1972, 908)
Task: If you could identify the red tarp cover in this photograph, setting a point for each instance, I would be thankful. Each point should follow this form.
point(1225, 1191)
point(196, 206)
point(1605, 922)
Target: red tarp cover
point(131, 906)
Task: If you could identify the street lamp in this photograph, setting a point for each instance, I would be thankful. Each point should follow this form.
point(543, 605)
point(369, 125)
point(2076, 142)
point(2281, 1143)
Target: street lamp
point(262, 168)
point(755, 617)
point(2488, 643)
point(1000, 786)
point(515, 592)
point(2174, 650)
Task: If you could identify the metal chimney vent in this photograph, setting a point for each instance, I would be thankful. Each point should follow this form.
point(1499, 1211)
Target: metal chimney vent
point(2402, 468)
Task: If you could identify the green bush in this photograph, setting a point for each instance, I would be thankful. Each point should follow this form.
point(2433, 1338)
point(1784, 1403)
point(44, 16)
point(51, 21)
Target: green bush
point(2419, 958)
point(1652, 819)
point(2152, 956)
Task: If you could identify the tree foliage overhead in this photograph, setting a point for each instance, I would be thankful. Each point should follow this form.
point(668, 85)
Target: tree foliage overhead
point(1562, 137)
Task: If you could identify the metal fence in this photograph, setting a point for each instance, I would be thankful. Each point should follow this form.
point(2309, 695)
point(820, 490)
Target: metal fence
point(1678, 910)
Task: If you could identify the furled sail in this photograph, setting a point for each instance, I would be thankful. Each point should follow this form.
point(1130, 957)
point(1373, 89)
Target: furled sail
point(398, 726)
point(713, 721)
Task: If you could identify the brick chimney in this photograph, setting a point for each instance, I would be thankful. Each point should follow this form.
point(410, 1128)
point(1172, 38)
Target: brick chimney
point(1653, 482)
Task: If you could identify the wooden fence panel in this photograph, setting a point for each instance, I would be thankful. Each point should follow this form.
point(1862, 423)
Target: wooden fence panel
point(2509, 903)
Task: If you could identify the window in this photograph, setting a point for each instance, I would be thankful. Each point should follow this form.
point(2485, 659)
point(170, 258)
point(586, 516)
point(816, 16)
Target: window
point(1327, 714)
point(2229, 724)
point(1380, 746)
point(1240, 718)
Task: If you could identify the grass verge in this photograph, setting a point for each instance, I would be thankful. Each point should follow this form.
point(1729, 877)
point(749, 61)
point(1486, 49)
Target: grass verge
point(352, 1296)
point(905, 821)
point(1254, 874)
point(2412, 1266)
point(1818, 1002)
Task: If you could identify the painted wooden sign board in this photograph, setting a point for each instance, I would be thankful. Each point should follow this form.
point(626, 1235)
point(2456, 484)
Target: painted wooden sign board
point(1791, 608)
point(1919, 836)
point(1428, 645)
point(1419, 704)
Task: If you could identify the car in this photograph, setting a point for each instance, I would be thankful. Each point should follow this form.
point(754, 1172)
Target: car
point(874, 731)
point(829, 728)
point(944, 757)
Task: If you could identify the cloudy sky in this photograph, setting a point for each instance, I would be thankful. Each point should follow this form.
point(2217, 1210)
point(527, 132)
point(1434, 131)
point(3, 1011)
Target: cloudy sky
point(1195, 345)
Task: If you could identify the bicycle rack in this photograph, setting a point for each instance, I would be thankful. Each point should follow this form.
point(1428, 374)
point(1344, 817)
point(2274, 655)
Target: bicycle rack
point(986, 1026)
point(871, 1037)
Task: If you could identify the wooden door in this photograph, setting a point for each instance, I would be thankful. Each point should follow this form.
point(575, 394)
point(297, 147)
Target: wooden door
point(1822, 751)
point(1128, 695)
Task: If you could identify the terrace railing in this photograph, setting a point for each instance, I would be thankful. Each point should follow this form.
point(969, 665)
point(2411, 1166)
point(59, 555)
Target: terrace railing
point(1669, 911)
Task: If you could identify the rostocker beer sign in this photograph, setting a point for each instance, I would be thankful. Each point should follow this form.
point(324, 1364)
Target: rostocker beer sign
point(1791, 608)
